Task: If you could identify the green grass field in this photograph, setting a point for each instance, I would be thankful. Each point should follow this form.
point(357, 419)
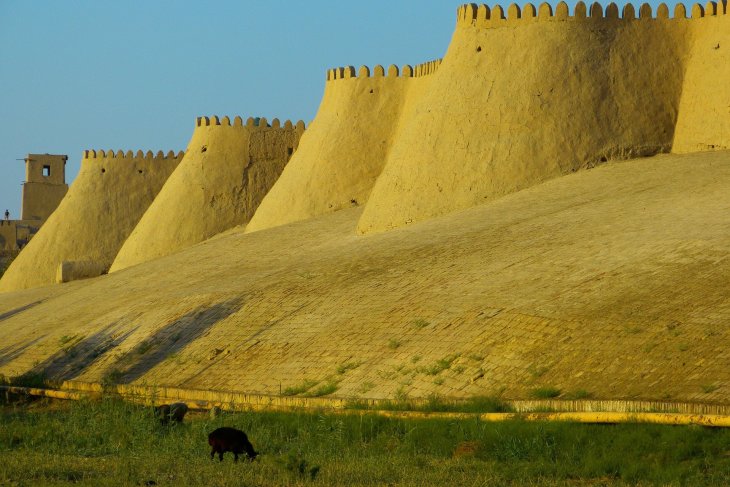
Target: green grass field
point(110, 442)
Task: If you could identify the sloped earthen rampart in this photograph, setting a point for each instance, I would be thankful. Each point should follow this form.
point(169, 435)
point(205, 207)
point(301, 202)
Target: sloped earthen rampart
point(228, 168)
point(102, 206)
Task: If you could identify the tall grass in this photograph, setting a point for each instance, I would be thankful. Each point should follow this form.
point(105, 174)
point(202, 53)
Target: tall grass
point(110, 442)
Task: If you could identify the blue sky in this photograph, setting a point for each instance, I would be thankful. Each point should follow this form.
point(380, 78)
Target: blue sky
point(134, 74)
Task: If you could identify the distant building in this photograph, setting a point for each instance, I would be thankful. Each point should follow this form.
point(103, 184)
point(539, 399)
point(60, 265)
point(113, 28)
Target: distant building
point(43, 189)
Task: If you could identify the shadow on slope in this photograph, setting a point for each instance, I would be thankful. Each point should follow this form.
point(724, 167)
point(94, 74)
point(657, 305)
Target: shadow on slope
point(172, 338)
point(78, 354)
point(10, 353)
point(20, 309)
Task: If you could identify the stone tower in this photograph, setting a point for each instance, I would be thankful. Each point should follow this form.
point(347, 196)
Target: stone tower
point(45, 185)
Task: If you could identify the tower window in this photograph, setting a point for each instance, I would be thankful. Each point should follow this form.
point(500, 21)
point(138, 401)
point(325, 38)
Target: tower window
point(46, 171)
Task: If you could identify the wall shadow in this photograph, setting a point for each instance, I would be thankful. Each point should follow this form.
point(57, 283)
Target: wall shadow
point(74, 356)
point(12, 312)
point(80, 352)
point(10, 353)
point(172, 338)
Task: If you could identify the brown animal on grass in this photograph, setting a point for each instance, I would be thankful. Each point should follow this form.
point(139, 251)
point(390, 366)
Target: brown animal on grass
point(230, 439)
point(174, 412)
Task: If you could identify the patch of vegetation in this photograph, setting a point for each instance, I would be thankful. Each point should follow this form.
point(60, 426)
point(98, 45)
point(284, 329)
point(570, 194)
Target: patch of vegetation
point(537, 371)
point(394, 344)
point(32, 378)
point(300, 388)
point(438, 381)
point(325, 389)
point(386, 374)
point(415, 359)
point(546, 392)
point(439, 366)
point(346, 366)
point(401, 395)
point(109, 442)
point(579, 394)
point(111, 378)
point(709, 388)
point(475, 357)
point(436, 403)
point(297, 465)
point(420, 323)
point(365, 387)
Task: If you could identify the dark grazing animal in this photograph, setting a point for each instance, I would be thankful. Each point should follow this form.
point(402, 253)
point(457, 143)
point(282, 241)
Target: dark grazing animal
point(174, 412)
point(230, 439)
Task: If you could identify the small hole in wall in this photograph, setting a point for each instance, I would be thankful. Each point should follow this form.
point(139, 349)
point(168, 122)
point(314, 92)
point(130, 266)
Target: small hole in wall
point(103, 170)
point(603, 159)
point(204, 148)
point(139, 171)
point(371, 91)
point(479, 48)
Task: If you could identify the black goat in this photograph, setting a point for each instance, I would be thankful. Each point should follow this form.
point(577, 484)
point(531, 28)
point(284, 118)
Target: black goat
point(230, 439)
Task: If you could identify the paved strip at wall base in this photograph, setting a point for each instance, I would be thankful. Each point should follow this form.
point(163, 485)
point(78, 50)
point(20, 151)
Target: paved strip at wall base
point(583, 411)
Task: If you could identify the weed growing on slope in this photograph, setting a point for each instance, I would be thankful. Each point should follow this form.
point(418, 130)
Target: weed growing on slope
point(347, 366)
point(579, 394)
point(299, 388)
point(546, 392)
point(436, 403)
point(325, 389)
point(420, 323)
point(439, 366)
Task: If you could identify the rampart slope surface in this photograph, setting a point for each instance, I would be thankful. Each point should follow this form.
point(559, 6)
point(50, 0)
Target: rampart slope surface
point(612, 281)
point(228, 168)
point(102, 206)
point(516, 274)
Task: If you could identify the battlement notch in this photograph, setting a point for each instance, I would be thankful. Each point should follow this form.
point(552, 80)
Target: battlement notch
point(250, 123)
point(473, 15)
point(393, 71)
point(149, 155)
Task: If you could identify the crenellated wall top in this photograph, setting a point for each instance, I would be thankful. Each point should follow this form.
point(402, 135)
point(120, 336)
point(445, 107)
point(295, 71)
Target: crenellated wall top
point(149, 155)
point(251, 123)
point(406, 71)
point(471, 14)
